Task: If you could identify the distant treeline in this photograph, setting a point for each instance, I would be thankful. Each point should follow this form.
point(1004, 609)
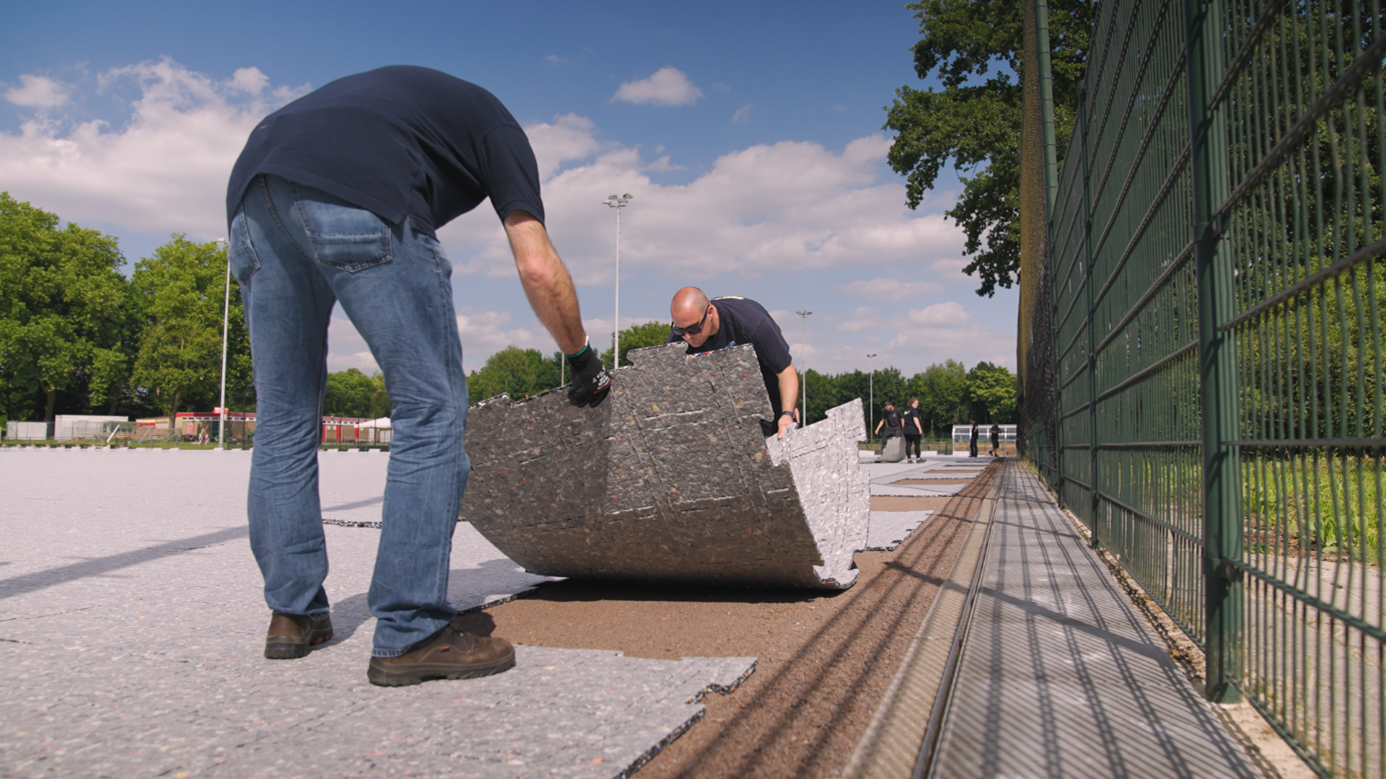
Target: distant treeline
point(948, 392)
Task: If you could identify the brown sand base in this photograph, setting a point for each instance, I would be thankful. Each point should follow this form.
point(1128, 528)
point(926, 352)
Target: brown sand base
point(825, 659)
point(898, 503)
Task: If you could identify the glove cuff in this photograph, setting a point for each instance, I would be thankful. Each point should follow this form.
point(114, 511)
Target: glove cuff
point(583, 358)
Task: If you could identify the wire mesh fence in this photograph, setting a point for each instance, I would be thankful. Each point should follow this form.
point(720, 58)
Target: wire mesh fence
point(1202, 345)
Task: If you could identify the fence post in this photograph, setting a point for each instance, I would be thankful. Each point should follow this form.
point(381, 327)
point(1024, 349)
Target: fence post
point(1217, 355)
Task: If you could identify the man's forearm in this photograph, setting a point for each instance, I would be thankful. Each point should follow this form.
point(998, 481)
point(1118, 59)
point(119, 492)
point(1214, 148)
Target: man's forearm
point(789, 389)
point(546, 281)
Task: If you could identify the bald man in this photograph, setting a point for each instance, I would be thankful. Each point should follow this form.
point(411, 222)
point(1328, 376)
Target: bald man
point(704, 325)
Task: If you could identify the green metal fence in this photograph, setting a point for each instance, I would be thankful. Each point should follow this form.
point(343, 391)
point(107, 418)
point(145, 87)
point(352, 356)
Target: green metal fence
point(1211, 280)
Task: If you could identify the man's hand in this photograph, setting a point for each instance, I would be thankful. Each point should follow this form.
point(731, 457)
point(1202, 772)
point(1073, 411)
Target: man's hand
point(787, 421)
point(590, 380)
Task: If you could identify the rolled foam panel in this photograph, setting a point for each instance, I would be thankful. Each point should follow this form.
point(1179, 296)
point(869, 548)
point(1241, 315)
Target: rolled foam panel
point(670, 480)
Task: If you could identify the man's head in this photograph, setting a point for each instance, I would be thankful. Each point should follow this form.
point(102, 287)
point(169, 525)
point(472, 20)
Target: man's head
point(890, 405)
point(695, 319)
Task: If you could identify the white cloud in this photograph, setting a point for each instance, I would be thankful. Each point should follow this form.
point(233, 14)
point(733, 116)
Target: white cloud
point(347, 349)
point(769, 208)
point(38, 92)
point(950, 271)
point(668, 86)
point(554, 59)
point(949, 313)
point(889, 289)
point(743, 113)
point(164, 170)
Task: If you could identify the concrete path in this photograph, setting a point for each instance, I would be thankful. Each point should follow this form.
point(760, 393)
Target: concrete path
point(132, 630)
point(1060, 676)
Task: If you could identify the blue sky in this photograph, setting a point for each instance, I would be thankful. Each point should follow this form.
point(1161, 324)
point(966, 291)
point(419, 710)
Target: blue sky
point(749, 134)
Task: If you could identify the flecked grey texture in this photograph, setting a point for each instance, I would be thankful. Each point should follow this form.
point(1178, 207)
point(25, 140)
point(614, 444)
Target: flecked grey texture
point(833, 488)
point(132, 628)
point(885, 478)
point(669, 480)
point(893, 451)
point(889, 529)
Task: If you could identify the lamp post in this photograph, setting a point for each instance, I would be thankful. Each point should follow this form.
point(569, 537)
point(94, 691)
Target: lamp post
point(617, 203)
point(871, 407)
point(225, 322)
point(803, 339)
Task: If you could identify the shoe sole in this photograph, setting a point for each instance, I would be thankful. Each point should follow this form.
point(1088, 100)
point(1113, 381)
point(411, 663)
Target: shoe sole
point(289, 648)
point(381, 676)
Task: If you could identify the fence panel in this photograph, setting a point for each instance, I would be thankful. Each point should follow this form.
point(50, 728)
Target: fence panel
point(1211, 284)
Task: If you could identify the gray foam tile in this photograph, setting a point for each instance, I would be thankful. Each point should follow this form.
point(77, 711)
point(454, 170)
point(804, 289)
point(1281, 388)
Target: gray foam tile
point(561, 712)
point(889, 529)
point(670, 479)
point(132, 630)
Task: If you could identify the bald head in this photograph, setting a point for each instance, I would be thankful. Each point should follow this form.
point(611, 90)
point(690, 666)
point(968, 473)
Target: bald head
point(688, 306)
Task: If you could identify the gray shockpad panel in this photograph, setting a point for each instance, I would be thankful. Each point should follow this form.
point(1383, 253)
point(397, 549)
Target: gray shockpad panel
point(889, 529)
point(670, 479)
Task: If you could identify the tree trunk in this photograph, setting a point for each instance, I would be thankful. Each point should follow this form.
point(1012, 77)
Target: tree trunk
point(48, 413)
point(173, 418)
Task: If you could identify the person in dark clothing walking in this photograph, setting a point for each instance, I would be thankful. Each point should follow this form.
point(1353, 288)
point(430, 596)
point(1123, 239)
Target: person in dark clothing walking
point(995, 438)
point(891, 421)
point(972, 441)
point(913, 431)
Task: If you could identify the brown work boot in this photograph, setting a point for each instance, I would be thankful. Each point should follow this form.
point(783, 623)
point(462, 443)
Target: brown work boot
point(448, 654)
point(294, 635)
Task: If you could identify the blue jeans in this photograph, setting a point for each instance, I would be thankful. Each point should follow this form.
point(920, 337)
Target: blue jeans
point(295, 251)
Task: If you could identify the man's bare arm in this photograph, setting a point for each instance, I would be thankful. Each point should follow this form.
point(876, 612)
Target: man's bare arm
point(545, 280)
point(789, 395)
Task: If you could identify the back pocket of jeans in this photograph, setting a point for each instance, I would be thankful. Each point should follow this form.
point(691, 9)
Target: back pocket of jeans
point(343, 236)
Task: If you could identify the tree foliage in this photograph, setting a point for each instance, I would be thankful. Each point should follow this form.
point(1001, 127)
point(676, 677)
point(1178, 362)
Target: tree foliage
point(62, 302)
point(351, 393)
point(517, 372)
point(179, 293)
point(948, 394)
point(639, 337)
point(974, 49)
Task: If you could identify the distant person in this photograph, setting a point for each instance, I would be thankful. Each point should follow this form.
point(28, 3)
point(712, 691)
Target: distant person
point(891, 420)
point(337, 198)
point(972, 441)
point(995, 438)
point(914, 430)
point(707, 325)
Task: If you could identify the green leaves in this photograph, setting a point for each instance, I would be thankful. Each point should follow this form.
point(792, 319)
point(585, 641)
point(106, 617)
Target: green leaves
point(62, 304)
point(974, 47)
point(519, 372)
point(179, 293)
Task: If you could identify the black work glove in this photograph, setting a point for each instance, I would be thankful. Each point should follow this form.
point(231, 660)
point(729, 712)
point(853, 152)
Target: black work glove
point(590, 379)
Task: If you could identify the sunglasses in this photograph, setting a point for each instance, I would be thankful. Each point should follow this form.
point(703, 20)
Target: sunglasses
point(679, 332)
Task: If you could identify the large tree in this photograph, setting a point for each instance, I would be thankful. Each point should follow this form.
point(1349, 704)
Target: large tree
point(179, 295)
point(351, 393)
point(639, 337)
point(62, 301)
point(974, 49)
point(513, 371)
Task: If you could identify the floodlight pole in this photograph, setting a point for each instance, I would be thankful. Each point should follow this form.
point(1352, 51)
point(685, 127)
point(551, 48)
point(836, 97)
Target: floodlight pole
point(803, 383)
point(871, 407)
point(617, 203)
point(225, 322)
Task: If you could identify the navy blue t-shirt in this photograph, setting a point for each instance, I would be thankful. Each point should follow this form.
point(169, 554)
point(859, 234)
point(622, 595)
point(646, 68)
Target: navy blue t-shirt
point(400, 141)
point(742, 321)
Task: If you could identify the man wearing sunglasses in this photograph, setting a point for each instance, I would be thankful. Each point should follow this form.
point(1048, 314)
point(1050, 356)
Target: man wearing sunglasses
point(705, 325)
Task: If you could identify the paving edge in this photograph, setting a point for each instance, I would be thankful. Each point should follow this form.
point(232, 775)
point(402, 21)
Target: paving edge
point(892, 742)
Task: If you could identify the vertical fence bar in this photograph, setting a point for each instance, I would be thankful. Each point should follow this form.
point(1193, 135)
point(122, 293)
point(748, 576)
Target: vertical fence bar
point(1222, 526)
